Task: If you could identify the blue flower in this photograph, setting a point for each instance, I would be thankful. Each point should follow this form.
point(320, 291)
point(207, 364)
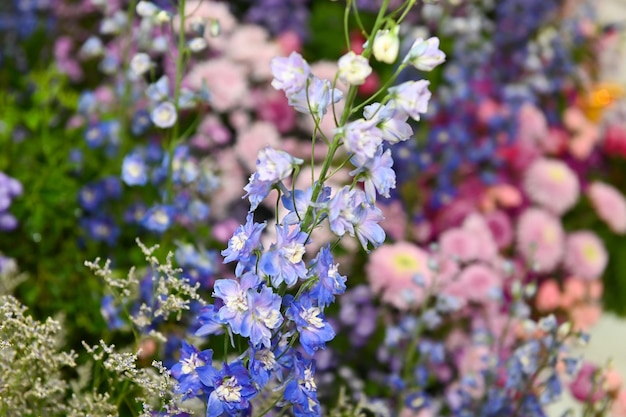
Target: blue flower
point(91, 196)
point(262, 316)
point(231, 388)
point(185, 371)
point(283, 262)
point(329, 282)
point(110, 312)
point(314, 330)
point(301, 391)
point(102, 229)
point(134, 170)
point(140, 122)
point(95, 135)
point(245, 241)
point(234, 294)
point(209, 321)
point(262, 364)
point(298, 202)
point(256, 190)
point(158, 218)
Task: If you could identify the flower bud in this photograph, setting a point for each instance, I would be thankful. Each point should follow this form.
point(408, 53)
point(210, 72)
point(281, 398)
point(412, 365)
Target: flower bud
point(386, 46)
point(354, 69)
point(425, 54)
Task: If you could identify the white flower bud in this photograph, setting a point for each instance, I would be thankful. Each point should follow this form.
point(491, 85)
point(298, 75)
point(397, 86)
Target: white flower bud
point(146, 9)
point(197, 44)
point(353, 68)
point(162, 17)
point(386, 46)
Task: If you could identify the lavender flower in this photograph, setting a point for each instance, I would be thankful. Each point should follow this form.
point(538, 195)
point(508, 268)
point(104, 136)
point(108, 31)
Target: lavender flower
point(273, 166)
point(283, 262)
point(412, 97)
point(316, 98)
point(425, 55)
point(290, 74)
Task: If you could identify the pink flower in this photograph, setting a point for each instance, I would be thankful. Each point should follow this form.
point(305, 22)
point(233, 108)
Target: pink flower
point(584, 388)
point(533, 126)
point(573, 292)
point(548, 296)
point(392, 269)
point(551, 184)
point(273, 106)
point(210, 132)
point(479, 283)
point(585, 255)
point(501, 228)
point(618, 409)
point(609, 205)
point(584, 316)
point(540, 239)
point(458, 243)
point(249, 45)
point(225, 80)
point(252, 140)
point(394, 222)
point(232, 180)
point(476, 225)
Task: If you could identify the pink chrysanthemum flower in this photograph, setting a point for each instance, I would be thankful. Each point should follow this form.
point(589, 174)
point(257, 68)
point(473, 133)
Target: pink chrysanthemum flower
point(399, 273)
point(540, 239)
point(585, 255)
point(551, 184)
point(501, 228)
point(548, 296)
point(458, 244)
point(609, 204)
point(479, 282)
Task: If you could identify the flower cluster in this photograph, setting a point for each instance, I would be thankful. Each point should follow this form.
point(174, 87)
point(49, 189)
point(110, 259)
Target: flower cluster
point(283, 330)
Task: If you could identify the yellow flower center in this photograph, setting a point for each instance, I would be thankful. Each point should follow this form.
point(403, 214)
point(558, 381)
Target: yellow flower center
point(404, 263)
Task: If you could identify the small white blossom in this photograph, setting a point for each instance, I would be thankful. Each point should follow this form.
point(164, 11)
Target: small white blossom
point(353, 68)
point(140, 64)
point(164, 115)
point(386, 46)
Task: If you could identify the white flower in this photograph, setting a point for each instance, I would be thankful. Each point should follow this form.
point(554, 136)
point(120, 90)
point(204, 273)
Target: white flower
point(197, 44)
point(164, 115)
point(386, 46)
point(140, 64)
point(353, 68)
point(425, 54)
point(146, 9)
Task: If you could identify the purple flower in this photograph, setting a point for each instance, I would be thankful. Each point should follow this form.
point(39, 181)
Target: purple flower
point(376, 173)
point(134, 170)
point(391, 121)
point(185, 371)
point(341, 211)
point(273, 165)
point(290, 74)
point(329, 281)
point(256, 190)
point(425, 55)
point(110, 312)
point(314, 330)
point(234, 294)
point(299, 202)
point(245, 240)
point(283, 262)
point(362, 137)
point(231, 388)
point(412, 97)
point(315, 100)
